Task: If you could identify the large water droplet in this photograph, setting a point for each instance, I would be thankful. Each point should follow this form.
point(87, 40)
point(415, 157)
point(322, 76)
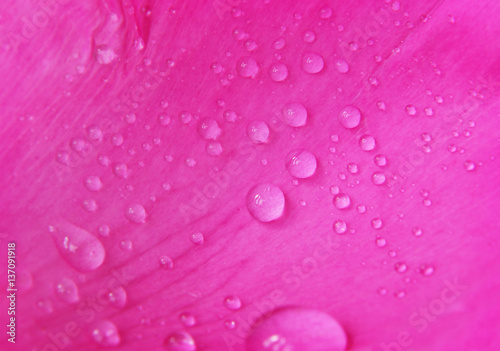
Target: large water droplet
point(278, 72)
point(83, 251)
point(341, 201)
point(105, 333)
point(350, 117)
point(265, 202)
point(180, 341)
point(297, 329)
point(209, 129)
point(312, 63)
point(301, 163)
point(135, 213)
point(294, 114)
point(247, 67)
point(258, 132)
point(66, 290)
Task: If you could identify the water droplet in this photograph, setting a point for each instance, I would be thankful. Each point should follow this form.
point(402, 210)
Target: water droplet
point(230, 325)
point(180, 341)
point(216, 67)
point(187, 319)
point(90, 205)
point(209, 129)
point(214, 148)
point(166, 262)
point(417, 231)
point(439, 99)
point(380, 160)
point(400, 294)
point(339, 226)
point(126, 245)
point(105, 333)
point(376, 223)
point(105, 55)
point(469, 165)
point(197, 238)
point(352, 168)
point(258, 132)
point(367, 142)
point(342, 66)
point(83, 251)
point(265, 202)
point(309, 36)
point(341, 201)
point(278, 71)
point(382, 291)
point(426, 270)
point(164, 119)
point(230, 116)
point(135, 213)
point(301, 163)
point(350, 117)
point(67, 290)
point(117, 297)
point(312, 62)
point(294, 114)
point(185, 117)
point(247, 67)
point(325, 13)
point(378, 178)
point(190, 162)
point(411, 110)
point(361, 209)
point(296, 328)
point(279, 44)
point(121, 170)
point(93, 183)
point(381, 242)
point(232, 303)
point(400, 267)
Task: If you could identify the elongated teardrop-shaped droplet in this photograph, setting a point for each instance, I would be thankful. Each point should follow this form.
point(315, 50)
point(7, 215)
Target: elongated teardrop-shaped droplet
point(105, 333)
point(66, 290)
point(180, 341)
point(83, 251)
point(265, 202)
point(296, 328)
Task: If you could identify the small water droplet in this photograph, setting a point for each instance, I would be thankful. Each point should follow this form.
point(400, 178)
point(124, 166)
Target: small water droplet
point(105, 333)
point(294, 114)
point(361, 209)
point(121, 170)
point(367, 142)
point(197, 238)
point(214, 148)
point(381, 242)
point(185, 117)
point(380, 160)
point(325, 13)
point(339, 226)
point(180, 341)
point(126, 245)
point(279, 43)
point(232, 303)
point(209, 129)
point(400, 267)
point(417, 231)
point(301, 163)
point(309, 36)
point(135, 213)
point(341, 201)
point(350, 117)
point(352, 168)
point(258, 132)
point(312, 62)
point(469, 165)
point(378, 178)
point(247, 67)
point(376, 223)
point(411, 110)
point(265, 202)
point(67, 290)
point(426, 270)
point(342, 66)
point(278, 71)
point(93, 183)
point(187, 319)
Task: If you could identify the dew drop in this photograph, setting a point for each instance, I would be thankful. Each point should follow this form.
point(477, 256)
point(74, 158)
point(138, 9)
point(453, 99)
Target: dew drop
point(135, 213)
point(117, 297)
point(278, 71)
point(165, 262)
point(294, 114)
point(411, 110)
point(187, 319)
point(83, 251)
point(367, 142)
point(265, 202)
point(352, 168)
point(121, 170)
point(66, 290)
point(376, 223)
point(185, 117)
point(197, 238)
point(339, 226)
point(378, 178)
point(164, 119)
point(309, 36)
point(214, 148)
point(381, 242)
point(350, 117)
point(105, 333)
point(325, 13)
point(312, 63)
point(258, 132)
point(469, 165)
point(426, 270)
point(279, 44)
point(208, 129)
point(400, 267)
point(341, 201)
point(230, 116)
point(417, 231)
point(180, 341)
point(232, 303)
point(342, 66)
point(90, 205)
point(297, 328)
point(247, 67)
point(93, 183)
point(380, 160)
point(301, 163)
